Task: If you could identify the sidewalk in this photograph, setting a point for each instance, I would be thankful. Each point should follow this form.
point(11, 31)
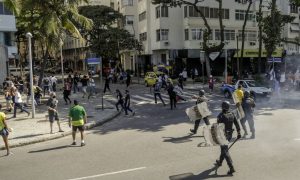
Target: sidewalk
point(28, 131)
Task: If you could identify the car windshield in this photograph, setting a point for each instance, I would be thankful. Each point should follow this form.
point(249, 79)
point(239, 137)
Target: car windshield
point(252, 84)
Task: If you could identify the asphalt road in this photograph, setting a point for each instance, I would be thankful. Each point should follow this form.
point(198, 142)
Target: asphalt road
point(155, 144)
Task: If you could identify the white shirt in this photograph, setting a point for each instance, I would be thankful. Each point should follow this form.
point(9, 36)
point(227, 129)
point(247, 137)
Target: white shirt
point(53, 80)
point(18, 97)
point(184, 74)
point(92, 82)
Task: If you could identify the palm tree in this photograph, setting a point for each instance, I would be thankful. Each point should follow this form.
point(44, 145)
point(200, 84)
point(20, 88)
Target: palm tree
point(12, 5)
point(50, 21)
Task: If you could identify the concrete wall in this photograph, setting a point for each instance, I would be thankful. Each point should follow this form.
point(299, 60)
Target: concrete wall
point(3, 60)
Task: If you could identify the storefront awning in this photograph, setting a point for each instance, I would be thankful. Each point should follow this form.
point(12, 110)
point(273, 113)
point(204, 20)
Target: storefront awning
point(253, 53)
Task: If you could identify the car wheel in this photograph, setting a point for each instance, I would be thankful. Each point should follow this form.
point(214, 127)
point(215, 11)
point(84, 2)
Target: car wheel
point(227, 94)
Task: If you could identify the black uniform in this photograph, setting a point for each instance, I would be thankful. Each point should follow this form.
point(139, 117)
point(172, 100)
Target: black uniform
point(248, 104)
point(106, 85)
point(172, 96)
point(200, 99)
point(157, 93)
point(228, 119)
point(120, 101)
point(127, 104)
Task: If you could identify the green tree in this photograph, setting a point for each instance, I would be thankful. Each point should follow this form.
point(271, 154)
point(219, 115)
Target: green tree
point(105, 38)
point(208, 31)
point(272, 28)
point(49, 21)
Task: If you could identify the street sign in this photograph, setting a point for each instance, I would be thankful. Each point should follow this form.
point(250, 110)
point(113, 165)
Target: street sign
point(275, 60)
point(92, 61)
point(213, 56)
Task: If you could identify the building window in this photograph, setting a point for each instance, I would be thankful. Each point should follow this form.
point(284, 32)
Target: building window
point(142, 16)
point(229, 35)
point(112, 5)
point(143, 36)
point(127, 2)
point(196, 34)
point(186, 34)
point(185, 11)
point(293, 9)
point(193, 12)
point(4, 10)
point(249, 35)
point(240, 15)
point(162, 35)
point(164, 11)
point(207, 12)
point(129, 19)
point(157, 12)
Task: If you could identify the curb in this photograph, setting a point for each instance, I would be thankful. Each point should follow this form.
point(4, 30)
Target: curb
point(88, 126)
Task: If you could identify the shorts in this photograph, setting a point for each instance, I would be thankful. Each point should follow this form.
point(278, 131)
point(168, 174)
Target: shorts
point(53, 117)
point(80, 128)
point(84, 89)
point(4, 132)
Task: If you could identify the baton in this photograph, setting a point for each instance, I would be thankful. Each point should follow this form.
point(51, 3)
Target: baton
point(232, 143)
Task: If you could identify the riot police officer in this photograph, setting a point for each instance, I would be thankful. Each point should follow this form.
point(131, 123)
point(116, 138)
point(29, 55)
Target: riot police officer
point(248, 105)
point(201, 98)
point(228, 119)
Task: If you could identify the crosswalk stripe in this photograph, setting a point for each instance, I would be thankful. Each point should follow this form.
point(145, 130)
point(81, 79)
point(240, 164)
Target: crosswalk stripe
point(166, 100)
point(143, 98)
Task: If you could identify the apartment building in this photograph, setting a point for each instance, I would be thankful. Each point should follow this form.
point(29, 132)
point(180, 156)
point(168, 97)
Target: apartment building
point(7, 30)
point(74, 49)
point(174, 36)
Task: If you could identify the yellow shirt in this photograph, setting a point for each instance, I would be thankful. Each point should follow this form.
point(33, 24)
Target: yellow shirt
point(240, 95)
point(2, 118)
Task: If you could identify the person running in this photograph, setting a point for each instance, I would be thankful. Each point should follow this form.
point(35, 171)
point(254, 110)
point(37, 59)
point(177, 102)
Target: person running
point(67, 92)
point(128, 80)
point(248, 105)
point(52, 112)
point(18, 103)
point(76, 80)
point(127, 103)
point(8, 99)
point(77, 118)
point(228, 119)
point(172, 95)
point(240, 94)
point(157, 89)
point(211, 83)
point(120, 100)
point(92, 87)
point(200, 99)
point(46, 84)
point(84, 82)
point(4, 131)
point(54, 83)
point(106, 85)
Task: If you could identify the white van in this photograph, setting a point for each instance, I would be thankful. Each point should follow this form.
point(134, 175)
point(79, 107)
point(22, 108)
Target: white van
point(17, 71)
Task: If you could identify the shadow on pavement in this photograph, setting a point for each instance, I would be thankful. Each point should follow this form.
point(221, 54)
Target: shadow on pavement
point(27, 136)
point(182, 139)
point(51, 149)
point(204, 175)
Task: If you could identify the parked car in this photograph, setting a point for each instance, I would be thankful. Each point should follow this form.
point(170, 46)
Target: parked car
point(248, 85)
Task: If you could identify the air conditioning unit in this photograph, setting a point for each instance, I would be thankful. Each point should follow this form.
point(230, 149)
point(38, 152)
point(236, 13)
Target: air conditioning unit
point(166, 43)
point(252, 43)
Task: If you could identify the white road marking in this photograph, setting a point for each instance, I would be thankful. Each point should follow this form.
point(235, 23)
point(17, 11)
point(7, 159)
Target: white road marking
point(111, 173)
point(298, 139)
point(143, 98)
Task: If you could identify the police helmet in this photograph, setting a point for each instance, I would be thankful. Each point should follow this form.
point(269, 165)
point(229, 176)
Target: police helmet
point(247, 94)
point(225, 105)
point(201, 92)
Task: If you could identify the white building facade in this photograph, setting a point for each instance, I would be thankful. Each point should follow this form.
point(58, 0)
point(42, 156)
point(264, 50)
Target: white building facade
point(174, 36)
point(7, 33)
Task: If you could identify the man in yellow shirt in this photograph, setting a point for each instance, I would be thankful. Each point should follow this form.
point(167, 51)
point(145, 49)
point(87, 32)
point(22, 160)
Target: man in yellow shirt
point(4, 131)
point(78, 117)
point(240, 94)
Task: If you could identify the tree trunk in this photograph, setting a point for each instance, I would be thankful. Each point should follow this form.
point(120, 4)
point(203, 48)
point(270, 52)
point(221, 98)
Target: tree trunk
point(260, 36)
point(243, 35)
point(43, 66)
point(207, 63)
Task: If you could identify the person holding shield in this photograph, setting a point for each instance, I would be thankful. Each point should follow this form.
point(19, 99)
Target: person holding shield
point(228, 119)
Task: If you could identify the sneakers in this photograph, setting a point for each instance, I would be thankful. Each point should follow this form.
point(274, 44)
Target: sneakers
point(231, 171)
point(82, 144)
point(245, 135)
point(133, 113)
point(73, 144)
point(218, 163)
point(252, 136)
point(192, 131)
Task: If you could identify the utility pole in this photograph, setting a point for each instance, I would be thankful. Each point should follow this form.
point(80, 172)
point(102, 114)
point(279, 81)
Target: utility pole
point(29, 36)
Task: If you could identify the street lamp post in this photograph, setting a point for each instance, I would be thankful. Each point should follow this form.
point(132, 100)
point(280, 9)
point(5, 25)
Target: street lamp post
point(29, 36)
point(226, 62)
point(62, 63)
point(238, 59)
